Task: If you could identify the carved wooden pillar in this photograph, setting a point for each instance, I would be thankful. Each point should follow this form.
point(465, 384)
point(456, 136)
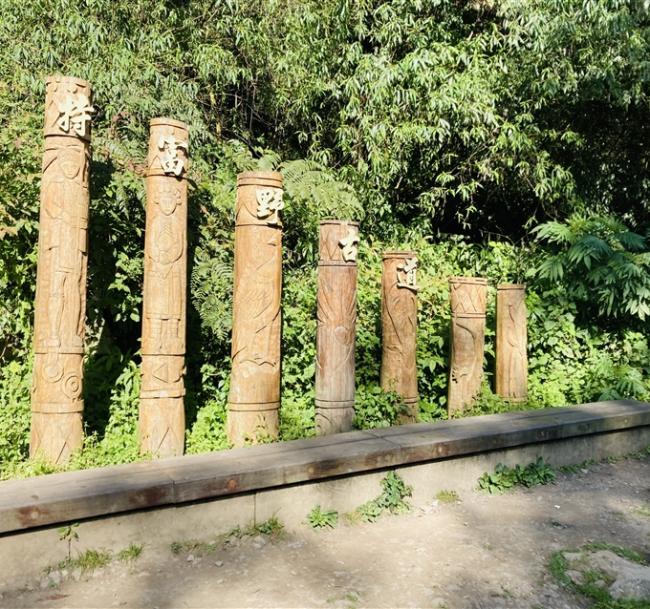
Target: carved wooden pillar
point(162, 412)
point(57, 402)
point(468, 298)
point(254, 401)
point(399, 311)
point(337, 317)
point(512, 360)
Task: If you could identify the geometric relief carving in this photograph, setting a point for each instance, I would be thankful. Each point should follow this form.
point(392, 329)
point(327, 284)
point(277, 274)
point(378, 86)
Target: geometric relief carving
point(468, 305)
point(511, 343)
point(336, 329)
point(254, 398)
point(61, 275)
point(162, 414)
point(399, 330)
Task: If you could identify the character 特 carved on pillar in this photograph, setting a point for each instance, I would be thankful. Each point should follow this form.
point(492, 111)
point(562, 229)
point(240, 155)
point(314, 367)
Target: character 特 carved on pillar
point(511, 343)
point(399, 330)
point(57, 403)
point(468, 300)
point(164, 305)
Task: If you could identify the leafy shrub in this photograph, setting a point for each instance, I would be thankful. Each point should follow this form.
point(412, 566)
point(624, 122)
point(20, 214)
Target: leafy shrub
point(504, 477)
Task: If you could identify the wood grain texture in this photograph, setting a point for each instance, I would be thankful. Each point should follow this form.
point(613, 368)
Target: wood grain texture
point(337, 316)
point(468, 300)
point(162, 411)
point(399, 312)
point(254, 400)
point(72, 496)
point(57, 384)
point(511, 343)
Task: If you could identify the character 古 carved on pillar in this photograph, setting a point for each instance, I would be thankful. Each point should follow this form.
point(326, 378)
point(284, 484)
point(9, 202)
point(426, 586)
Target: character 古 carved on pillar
point(335, 340)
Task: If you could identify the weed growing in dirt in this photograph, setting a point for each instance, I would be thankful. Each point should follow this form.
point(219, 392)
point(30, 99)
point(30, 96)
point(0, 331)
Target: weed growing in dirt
point(271, 528)
point(392, 499)
point(504, 477)
point(130, 553)
point(69, 534)
point(445, 496)
point(322, 519)
point(643, 510)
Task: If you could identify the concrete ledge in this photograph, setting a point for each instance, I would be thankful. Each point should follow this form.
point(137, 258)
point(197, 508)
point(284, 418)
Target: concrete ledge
point(75, 496)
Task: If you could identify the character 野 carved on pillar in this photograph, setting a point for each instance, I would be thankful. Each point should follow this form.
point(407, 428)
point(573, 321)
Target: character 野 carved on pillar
point(57, 404)
point(399, 330)
point(468, 305)
point(511, 343)
point(254, 399)
point(162, 414)
point(337, 314)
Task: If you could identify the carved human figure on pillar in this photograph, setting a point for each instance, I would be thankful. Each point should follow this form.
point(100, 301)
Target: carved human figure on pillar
point(511, 343)
point(162, 413)
point(57, 404)
point(337, 315)
point(468, 297)
point(254, 400)
point(399, 329)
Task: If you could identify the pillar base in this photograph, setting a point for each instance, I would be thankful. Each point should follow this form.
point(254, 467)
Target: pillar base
point(161, 427)
point(55, 436)
point(333, 417)
point(257, 424)
point(410, 413)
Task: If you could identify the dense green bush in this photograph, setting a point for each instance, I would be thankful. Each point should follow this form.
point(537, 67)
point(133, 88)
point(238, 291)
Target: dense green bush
point(451, 128)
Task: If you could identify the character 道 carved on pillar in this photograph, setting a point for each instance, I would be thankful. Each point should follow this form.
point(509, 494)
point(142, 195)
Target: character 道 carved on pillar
point(468, 297)
point(399, 330)
point(162, 413)
point(337, 316)
point(254, 400)
point(512, 360)
point(57, 403)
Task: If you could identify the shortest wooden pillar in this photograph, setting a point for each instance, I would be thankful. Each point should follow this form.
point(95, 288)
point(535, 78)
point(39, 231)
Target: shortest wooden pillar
point(468, 296)
point(399, 311)
point(512, 360)
point(337, 317)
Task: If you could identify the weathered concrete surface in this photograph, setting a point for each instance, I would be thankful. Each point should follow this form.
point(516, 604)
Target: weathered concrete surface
point(74, 496)
point(487, 552)
point(25, 554)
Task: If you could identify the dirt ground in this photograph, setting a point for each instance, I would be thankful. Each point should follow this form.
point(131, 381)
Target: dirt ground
point(486, 552)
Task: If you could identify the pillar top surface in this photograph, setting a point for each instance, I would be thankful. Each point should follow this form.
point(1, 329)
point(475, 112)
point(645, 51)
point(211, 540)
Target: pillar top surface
point(469, 280)
point(260, 178)
point(171, 122)
point(59, 78)
point(339, 223)
point(511, 286)
point(399, 254)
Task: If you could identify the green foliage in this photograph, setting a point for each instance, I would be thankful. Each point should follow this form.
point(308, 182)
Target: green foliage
point(322, 519)
point(392, 499)
point(505, 478)
point(69, 534)
point(131, 553)
point(600, 262)
point(445, 496)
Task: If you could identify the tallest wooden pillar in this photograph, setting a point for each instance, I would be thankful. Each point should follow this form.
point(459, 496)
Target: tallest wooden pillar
point(57, 402)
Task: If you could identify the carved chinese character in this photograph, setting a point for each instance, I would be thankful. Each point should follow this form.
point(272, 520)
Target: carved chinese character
point(75, 112)
point(170, 161)
point(269, 203)
point(349, 245)
point(406, 274)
